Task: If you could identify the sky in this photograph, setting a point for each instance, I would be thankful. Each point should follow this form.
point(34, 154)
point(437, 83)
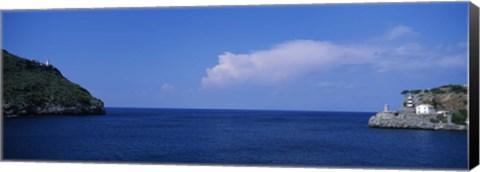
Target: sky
point(345, 57)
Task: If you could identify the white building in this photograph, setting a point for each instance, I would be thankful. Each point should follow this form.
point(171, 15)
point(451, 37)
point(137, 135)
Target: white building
point(424, 109)
point(443, 112)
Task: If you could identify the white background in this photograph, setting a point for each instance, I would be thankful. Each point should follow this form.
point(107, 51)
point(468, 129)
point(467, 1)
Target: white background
point(86, 167)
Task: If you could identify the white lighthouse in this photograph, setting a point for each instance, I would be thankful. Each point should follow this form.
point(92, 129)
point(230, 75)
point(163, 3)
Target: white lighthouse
point(409, 103)
point(47, 62)
point(386, 108)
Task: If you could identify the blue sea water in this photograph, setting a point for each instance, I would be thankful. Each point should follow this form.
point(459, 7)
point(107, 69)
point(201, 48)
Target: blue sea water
point(231, 137)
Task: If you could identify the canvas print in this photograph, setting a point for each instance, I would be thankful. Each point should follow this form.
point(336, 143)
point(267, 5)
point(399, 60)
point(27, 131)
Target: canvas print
point(380, 85)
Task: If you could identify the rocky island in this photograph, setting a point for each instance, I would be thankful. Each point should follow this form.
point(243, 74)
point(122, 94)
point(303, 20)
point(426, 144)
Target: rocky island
point(34, 88)
point(442, 108)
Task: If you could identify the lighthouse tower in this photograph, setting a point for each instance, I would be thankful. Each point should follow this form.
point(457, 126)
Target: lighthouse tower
point(386, 108)
point(47, 62)
point(409, 103)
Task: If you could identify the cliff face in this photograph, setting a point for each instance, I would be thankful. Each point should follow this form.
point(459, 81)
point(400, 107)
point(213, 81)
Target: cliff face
point(449, 98)
point(32, 88)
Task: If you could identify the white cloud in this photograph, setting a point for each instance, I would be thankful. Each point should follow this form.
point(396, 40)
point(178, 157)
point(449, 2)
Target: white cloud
point(411, 56)
point(284, 62)
point(167, 87)
point(407, 49)
point(398, 31)
point(294, 59)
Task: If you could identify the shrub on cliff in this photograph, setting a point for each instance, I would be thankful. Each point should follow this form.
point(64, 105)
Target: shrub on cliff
point(416, 91)
point(459, 116)
point(438, 91)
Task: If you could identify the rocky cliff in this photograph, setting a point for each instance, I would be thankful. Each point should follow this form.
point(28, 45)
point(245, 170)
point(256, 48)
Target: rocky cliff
point(451, 99)
point(447, 97)
point(413, 121)
point(33, 88)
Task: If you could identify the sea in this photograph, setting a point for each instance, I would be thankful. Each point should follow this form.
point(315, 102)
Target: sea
point(230, 137)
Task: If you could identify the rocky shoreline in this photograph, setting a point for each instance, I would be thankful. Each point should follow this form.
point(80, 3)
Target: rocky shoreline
point(95, 107)
point(413, 121)
point(440, 108)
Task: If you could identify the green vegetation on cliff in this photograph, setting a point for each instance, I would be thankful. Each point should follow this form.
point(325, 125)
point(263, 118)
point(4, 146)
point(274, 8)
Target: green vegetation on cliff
point(459, 116)
point(30, 87)
point(452, 98)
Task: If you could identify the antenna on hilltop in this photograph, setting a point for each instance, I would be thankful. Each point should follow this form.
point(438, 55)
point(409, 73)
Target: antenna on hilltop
point(47, 62)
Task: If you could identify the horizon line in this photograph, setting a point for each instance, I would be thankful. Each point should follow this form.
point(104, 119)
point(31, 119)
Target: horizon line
point(191, 108)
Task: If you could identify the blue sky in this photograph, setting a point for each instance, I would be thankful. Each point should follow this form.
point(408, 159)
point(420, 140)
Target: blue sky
point(354, 57)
